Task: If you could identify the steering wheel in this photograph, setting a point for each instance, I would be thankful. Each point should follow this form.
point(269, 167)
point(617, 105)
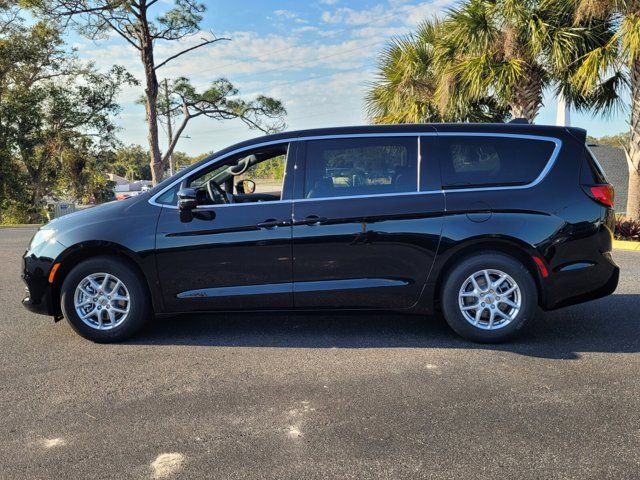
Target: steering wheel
point(216, 193)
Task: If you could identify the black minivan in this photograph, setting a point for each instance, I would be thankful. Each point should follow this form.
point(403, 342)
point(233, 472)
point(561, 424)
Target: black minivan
point(482, 222)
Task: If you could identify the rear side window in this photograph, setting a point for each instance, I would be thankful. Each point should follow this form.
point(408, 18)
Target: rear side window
point(591, 172)
point(360, 166)
point(475, 161)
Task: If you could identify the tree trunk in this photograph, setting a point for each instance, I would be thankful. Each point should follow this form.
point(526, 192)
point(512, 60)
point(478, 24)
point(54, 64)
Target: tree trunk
point(33, 210)
point(633, 200)
point(151, 93)
point(633, 150)
point(526, 98)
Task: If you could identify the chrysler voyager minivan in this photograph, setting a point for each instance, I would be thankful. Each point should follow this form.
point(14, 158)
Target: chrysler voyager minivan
point(486, 223)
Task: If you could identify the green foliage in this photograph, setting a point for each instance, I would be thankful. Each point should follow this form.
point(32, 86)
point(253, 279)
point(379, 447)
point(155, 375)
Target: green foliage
point(201, 156)
point(513, 50)
point(183, 19)
point(96, 19)
point(618, 141)
point(272, 169)
point(221, 101)
point(611, 70)
point(182, 160)
point(487, 58)
point(406, 89)
point(132, 163)
point(55, 114)
point(142, 25)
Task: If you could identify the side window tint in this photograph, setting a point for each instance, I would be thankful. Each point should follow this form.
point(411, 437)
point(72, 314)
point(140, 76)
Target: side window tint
point(360, 166)
point(591, 170)
point(170, 197)
point(492, 161)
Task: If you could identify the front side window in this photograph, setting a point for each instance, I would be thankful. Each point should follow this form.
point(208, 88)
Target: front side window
point(360, 166)
point(475, 161)
point(253, 176)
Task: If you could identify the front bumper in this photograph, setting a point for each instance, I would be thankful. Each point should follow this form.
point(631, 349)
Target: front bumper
point(38, 289)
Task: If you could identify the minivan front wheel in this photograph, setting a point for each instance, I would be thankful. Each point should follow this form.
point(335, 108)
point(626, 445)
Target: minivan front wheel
point(489, 297)
point(104, 299)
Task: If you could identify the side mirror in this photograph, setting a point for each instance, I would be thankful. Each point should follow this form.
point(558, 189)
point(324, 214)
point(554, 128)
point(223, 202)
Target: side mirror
point(246, 186)
point(187, 200)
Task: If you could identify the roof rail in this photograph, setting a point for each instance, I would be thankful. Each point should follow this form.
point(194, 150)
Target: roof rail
point(519, 120)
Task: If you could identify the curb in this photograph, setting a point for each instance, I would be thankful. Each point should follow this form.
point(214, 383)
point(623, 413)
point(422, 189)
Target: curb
point(22, 225)
point(626, 245)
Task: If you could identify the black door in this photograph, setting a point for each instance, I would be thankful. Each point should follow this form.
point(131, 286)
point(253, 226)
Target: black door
point(229, 256)
point(364, 236)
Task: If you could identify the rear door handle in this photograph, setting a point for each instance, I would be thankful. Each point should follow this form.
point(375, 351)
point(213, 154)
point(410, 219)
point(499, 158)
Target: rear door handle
point(311, 220)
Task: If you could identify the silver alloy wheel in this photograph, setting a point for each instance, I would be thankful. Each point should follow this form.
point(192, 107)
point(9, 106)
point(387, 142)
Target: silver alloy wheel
point(102, 301)
point(489, 299)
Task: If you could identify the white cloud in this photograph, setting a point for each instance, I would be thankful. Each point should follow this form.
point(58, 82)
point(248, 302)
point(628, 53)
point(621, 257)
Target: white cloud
point(306, 28)
point(319, 70)
point(285, 13)
point(350, 16)
point(393, 12)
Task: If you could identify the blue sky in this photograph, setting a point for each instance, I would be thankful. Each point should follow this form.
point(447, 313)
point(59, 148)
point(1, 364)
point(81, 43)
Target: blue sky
point(315, 56)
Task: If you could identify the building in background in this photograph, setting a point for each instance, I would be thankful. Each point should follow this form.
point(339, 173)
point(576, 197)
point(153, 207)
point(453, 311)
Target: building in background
point(614, 163)
point(124, 188)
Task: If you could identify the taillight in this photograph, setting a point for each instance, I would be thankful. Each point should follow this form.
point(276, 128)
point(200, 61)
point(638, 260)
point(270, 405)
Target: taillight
point(603, 194)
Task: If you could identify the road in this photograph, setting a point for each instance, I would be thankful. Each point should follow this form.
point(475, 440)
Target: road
point(293, 396)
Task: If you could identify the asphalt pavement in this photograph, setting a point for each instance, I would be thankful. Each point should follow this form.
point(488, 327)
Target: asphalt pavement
point(319, 396)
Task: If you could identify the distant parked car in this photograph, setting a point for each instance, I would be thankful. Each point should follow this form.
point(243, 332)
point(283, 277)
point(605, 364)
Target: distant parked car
point(486, 223)
point(125, 195)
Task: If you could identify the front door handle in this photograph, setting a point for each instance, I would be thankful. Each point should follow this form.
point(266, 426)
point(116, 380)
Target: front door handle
point(272, 223)
point(311, 220)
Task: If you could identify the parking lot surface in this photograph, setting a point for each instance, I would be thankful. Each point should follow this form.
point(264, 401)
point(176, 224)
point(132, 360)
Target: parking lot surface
point(314, 396)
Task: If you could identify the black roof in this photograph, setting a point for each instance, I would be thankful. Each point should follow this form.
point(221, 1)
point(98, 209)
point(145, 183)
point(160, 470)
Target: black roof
point(428, 127)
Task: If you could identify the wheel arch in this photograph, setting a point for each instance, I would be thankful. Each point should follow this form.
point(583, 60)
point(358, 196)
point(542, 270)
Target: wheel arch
point(76, 254)
point(506, 245)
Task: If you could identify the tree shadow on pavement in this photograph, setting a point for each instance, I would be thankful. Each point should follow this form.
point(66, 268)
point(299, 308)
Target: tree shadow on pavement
point(610, 324)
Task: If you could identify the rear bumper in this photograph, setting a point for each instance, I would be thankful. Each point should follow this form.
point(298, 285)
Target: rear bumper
point(578, 285)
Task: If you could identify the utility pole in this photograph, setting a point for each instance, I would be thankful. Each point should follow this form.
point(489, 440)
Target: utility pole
point(167, 105)
point(563, 112)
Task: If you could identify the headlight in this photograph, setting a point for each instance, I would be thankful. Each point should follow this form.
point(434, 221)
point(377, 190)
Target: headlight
point(43, 235)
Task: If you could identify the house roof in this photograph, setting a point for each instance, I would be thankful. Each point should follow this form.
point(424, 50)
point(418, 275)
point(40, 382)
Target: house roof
point(614, 163)
point(118, 179)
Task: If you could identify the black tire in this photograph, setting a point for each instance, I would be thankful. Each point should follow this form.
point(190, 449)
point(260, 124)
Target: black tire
point(139, 308)
point(494, 261)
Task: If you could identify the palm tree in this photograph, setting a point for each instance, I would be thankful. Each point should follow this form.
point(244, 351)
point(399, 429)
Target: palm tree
point(405, 89)
point(513, 50)
point(614, 66)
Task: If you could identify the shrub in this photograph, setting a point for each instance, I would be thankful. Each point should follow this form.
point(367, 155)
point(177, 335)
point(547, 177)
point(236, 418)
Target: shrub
point(627, 229)
point(14, 213)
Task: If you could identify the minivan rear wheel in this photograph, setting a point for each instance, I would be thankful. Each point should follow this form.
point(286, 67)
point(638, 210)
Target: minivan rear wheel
point(104, 299)
point(488, 297)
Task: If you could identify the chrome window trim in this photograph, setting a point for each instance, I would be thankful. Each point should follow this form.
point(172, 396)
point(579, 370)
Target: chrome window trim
point(349, 197)
point(419, 167)
point(543, 173)
point(322, 199)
